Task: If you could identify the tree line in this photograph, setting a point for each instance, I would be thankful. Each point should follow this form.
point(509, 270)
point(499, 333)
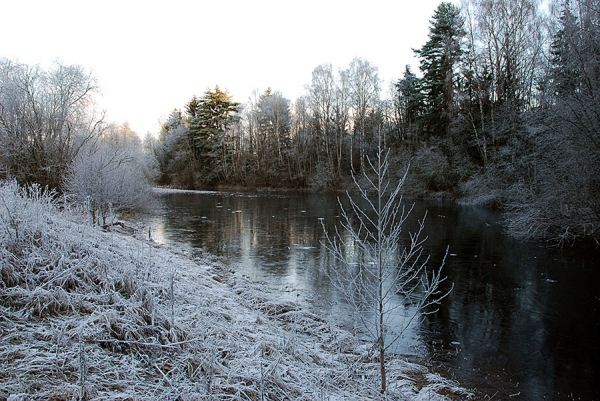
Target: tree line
point(502, 111)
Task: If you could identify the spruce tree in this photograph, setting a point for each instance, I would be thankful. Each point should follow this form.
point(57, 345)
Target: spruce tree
point(409, 101)
point(438, 58)
point(210, 118)
point(564, 74)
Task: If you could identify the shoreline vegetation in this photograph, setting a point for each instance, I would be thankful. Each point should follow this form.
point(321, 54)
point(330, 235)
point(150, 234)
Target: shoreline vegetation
point(88, 314)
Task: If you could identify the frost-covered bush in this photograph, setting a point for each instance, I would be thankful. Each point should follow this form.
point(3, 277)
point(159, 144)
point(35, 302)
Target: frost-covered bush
point(109, 177)
point(430, 171)
point(483, 190)
point(23, 213)
point(562, 203)
point(324, 178)
point(431, 167)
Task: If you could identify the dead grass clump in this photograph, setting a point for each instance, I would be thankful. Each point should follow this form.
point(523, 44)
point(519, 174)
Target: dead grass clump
point(43, 303)
point(78, 316)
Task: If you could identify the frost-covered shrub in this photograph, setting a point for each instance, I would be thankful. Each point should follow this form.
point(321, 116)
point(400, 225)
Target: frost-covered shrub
point(482, 190)
point(23, 213)
point(107, 178)
point(431, 166)
point(430, 171)
point(324, 178)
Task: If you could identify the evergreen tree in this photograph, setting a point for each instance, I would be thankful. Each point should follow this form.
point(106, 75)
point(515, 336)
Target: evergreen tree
point(564, 72)
point(192, 107)
point(576, 72)
point(438, 58)
point(409, 103)
point(210, 118)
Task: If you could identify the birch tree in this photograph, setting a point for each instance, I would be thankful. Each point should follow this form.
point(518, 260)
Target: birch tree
point(506, 52)
point(364, 85)
point(274, 122)
point(321, 93)
point(302, 141)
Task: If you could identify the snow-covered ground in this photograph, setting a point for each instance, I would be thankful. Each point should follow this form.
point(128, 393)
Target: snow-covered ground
point(90, 314)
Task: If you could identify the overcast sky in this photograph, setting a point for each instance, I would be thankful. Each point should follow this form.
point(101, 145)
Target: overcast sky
point(152, 56)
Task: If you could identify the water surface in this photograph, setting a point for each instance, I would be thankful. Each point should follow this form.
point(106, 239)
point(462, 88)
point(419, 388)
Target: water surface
point(522, 322)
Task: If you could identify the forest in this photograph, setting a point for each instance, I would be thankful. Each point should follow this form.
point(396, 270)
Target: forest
point(503, 112)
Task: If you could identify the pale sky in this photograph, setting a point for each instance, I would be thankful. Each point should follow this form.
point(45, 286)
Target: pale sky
point(152, 56)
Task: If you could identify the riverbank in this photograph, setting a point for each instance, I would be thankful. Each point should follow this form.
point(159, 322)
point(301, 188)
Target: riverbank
point(90, 314)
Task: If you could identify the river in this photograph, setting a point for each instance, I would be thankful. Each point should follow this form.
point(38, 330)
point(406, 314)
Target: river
point(522, 321)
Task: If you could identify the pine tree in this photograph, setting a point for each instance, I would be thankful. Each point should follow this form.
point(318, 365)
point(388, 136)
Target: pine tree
point(564, 72)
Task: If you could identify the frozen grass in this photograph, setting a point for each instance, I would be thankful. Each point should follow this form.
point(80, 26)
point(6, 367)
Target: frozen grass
point(88, 314)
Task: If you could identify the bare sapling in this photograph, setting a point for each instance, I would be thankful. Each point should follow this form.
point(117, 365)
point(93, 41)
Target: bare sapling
point(380, 272)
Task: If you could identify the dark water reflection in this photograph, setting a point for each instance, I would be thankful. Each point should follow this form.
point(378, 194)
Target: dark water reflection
point(523, 321)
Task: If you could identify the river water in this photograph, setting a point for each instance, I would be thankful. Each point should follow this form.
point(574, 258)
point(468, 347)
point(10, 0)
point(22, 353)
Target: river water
point(522, 321)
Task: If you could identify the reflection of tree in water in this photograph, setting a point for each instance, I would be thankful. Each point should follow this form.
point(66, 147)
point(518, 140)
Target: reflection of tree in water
point(499, 324)
point(575, 357)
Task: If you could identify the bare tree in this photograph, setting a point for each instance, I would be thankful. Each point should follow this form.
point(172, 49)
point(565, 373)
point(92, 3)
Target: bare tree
point(376, 266)
point(301, 138)
point(363, 81)
point(274, 122)
point(341, 120)
point(506, 41)
point(46, 117)
point(321, 93)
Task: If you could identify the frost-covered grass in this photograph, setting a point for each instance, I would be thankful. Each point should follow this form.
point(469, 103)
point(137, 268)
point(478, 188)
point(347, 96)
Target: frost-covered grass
point(88, 314)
